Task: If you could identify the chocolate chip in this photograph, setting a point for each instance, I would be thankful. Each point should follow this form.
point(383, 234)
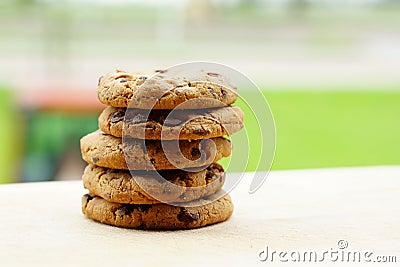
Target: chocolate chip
point(124, 80)
point(172, 122)
point(98, 82)
point(210, 175)
point(200, 131)
point(144, 207)
point(212, 92)
point(95, 159)
point(212, 74)
point(187, 217)
point(151, 125)
point(161, 71)
point(117, 116)
point(125, 210)
point(223, 92)
point(153, 161)
point(88, 197)
point(183, 177)
point(195, 153)
point(138, 118)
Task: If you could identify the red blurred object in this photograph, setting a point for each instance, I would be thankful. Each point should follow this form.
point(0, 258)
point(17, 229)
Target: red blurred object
point(60, 97)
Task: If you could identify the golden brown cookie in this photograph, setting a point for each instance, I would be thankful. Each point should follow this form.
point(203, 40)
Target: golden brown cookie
point(163, 90)
point(181, 124)
point(116, 88)
point(108, 151)
point(202, 212)
point(121, 187)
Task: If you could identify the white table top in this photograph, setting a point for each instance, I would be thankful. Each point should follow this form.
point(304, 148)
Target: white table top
point(304, 210)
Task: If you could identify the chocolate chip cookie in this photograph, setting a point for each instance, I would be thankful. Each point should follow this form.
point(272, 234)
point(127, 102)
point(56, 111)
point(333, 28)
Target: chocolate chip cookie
point(202, 212)
point(108, 151)
point(121, 186)
point(165, 90)
point(178, 124)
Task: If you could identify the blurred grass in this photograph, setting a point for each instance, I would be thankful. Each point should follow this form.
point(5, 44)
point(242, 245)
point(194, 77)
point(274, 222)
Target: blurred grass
point(333, 129)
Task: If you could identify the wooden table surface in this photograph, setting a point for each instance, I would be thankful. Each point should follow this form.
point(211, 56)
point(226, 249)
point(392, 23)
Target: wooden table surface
point(304, 210)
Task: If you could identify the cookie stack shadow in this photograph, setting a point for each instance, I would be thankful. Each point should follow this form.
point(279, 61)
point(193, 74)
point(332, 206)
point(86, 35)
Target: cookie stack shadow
point(126, 157)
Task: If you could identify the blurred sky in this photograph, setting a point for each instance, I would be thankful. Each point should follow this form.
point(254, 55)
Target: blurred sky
point(316, 45)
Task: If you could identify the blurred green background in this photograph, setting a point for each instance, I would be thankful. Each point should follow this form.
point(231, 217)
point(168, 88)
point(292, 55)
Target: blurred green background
point(329, 69)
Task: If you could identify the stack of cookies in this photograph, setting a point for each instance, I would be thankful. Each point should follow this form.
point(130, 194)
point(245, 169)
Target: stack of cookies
point(153, 161)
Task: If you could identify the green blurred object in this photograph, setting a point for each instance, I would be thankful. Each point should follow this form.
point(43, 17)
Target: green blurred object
point(49, 135)
point(332, 129)
point(10, 138)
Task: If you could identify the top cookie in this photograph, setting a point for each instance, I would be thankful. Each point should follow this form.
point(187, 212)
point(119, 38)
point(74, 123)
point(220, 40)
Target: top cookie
point(166, 90)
